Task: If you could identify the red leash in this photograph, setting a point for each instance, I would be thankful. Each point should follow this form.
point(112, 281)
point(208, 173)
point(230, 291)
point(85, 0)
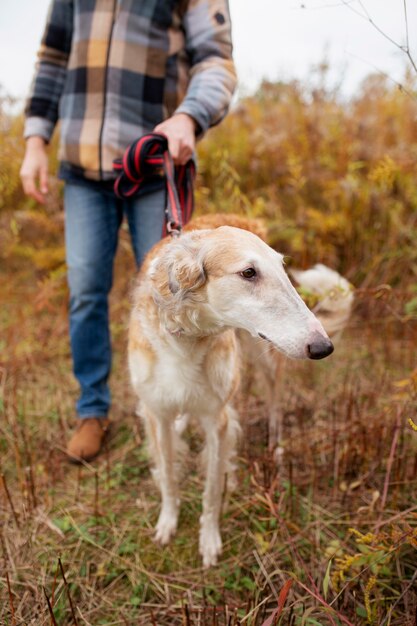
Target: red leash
point(147, 159)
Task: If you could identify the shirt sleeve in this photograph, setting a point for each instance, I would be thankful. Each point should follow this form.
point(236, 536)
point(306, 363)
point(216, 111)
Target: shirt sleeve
point(48, 83)
point(207, 30)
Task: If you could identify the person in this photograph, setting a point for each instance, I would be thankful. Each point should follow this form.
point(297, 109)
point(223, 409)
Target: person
point(111, 71)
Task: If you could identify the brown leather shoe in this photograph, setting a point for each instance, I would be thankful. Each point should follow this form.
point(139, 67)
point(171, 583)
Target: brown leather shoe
point(86, 442)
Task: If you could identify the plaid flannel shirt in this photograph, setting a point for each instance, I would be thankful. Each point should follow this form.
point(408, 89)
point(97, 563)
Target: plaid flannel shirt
point(111, 70)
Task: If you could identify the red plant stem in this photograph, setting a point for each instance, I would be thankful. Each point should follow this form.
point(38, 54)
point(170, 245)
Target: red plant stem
point(54, 586)
point(9, 498)
point(390, 461)
point(10, 599)
point(324, 603)
point(68, 593)
point(51, 613)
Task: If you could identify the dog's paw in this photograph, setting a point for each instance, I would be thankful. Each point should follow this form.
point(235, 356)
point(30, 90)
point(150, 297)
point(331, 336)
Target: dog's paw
point(210, 544)
point(166, 526)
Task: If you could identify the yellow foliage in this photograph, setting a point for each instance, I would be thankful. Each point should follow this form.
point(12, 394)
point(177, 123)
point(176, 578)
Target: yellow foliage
point(384, 172)
point(374, 558)
point(335, 182)
point(369, 586)
point(412, 424)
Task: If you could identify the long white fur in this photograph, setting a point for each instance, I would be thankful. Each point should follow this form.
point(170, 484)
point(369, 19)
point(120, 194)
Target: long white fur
point(184, 358)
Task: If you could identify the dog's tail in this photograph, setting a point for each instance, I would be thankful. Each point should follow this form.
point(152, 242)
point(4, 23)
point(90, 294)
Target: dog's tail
point(329, 294)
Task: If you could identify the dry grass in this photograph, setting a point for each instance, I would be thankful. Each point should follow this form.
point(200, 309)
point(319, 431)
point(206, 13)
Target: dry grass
point(326, 533)
point(336, 515)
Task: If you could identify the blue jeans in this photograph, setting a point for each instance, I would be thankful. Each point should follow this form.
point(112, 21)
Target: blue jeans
point(92, 221)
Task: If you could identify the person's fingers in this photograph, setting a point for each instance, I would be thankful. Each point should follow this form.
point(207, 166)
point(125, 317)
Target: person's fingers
point(34, 176)
point(174, 148)
point(181, 159)
point(185, 154)
point(30, 189)
point(43, 179)
point(181, 138)
point(28, 180)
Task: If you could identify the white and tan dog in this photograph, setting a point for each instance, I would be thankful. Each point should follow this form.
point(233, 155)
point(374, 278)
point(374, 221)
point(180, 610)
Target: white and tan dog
point(192, 293)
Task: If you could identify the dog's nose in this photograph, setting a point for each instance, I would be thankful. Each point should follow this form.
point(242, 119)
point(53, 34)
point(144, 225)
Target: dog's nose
point(319, 347)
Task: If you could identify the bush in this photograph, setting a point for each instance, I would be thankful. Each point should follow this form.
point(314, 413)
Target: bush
point(335, 181)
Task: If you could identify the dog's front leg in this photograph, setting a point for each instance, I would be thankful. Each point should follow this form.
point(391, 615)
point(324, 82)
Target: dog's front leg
point(160, 432)
point(216, 456)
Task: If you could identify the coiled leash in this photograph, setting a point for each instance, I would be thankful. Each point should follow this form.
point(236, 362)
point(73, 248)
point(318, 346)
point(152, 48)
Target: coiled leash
point(147, 159)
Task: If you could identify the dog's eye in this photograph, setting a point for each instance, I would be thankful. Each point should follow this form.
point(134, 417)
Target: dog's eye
point(248, 273)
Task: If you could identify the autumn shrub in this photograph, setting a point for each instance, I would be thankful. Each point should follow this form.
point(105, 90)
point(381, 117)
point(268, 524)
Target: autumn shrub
point(336, 181)
point(320, 531)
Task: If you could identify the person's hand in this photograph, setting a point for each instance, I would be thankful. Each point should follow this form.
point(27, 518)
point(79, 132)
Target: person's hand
point(180, 131)
point(34, 170)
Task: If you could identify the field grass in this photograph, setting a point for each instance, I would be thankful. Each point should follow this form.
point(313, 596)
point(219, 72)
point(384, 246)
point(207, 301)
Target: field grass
point(324, 533)
point(334, 516)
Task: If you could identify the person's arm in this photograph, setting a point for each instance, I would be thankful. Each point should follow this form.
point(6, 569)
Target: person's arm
point(43, 102)
point(212, 76)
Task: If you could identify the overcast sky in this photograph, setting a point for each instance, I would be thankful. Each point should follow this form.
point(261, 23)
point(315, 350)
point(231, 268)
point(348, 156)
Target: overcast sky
point(274, 39)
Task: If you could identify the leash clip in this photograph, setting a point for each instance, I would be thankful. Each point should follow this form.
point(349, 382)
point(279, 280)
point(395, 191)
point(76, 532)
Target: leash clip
point(173, 229)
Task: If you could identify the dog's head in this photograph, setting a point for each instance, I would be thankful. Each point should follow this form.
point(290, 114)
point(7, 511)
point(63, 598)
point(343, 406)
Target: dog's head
point(228, 277)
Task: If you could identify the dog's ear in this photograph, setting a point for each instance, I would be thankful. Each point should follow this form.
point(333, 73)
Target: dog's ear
point(180, 271)
point(185, 273)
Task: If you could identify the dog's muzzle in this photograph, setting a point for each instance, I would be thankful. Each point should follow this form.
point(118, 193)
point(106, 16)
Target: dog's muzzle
point(319, 347)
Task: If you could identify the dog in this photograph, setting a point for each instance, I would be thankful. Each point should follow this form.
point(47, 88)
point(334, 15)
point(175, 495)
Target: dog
point(192, 294)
